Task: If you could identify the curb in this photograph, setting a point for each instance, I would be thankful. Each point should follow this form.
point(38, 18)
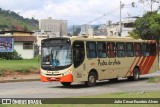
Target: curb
point(19, 80)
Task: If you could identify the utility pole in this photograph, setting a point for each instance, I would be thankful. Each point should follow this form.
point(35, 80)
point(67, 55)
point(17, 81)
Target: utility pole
point(151, 4)
point(120, 22)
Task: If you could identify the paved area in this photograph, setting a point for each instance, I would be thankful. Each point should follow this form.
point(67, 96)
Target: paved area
point(37, 89)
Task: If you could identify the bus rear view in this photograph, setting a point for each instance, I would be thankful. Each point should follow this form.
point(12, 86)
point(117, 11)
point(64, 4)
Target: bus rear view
point(56, 60)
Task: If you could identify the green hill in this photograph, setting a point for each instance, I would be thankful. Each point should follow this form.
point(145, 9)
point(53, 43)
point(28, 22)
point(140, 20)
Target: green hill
point(10, 20)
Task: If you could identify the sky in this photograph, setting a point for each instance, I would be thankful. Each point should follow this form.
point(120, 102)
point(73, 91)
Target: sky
point(76, 12)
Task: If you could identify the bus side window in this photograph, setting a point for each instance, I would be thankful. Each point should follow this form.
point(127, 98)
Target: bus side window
point(120, 50)
point(102, 50)
point(153, 49)
point(91, 50)
point(137, 50)
point(111, 48)
point(145, 49)
point(78, 53)
point(129, 50)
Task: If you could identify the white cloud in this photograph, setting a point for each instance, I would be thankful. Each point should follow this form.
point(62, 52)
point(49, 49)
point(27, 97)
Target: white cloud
point(75, 11)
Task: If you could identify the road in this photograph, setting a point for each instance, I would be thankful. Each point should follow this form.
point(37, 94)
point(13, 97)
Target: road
point(56, 90)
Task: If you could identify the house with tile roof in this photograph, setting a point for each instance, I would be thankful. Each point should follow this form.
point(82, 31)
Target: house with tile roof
point(24, 42)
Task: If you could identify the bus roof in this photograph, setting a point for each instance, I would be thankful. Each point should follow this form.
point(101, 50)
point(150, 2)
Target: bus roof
point(109, 38)
point(105, 38)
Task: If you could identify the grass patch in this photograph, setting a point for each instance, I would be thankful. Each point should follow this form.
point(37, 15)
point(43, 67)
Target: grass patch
point(154, 80)
point(22, 66)
point(155, 94)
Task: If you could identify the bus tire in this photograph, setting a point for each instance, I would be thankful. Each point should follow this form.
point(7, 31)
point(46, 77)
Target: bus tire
point(136, 75)
point(66, 83)
point(91, 80)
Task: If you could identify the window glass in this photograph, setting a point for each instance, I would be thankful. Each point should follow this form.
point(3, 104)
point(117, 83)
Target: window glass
point(145, 49)
point(102, 50)
point(111, 50)
point(137, 49)
point(91, 50)
point(120, 50)
point(129, 50)
point(153, 49)
point(78, 53)
point(28, 45)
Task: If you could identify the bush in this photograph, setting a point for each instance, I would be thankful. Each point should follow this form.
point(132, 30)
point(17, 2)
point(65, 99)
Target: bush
point(10, 55)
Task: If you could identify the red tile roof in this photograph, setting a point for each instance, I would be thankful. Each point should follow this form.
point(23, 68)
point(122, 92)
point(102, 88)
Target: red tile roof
point(25, 38)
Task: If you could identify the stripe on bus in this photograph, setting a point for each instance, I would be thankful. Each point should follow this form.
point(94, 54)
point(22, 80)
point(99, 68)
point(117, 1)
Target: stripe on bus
point(139, 59)
point(149, 65)
point(131, 66)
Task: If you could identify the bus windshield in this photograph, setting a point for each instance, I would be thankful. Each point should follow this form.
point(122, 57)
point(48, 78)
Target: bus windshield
point(57, 55)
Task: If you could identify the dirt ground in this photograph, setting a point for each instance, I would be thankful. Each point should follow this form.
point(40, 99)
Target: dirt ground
point(20, 76)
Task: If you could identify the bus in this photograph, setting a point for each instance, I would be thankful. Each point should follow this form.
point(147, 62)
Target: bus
point(95, 58)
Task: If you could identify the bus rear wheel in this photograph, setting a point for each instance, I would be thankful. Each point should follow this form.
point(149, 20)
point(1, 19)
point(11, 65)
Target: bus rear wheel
point(91, 80)
point(66, 83)
point(136, 75)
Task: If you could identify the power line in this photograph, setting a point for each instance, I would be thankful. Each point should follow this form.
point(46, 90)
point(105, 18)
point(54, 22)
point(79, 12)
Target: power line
point(102, 16)
point(98, 18)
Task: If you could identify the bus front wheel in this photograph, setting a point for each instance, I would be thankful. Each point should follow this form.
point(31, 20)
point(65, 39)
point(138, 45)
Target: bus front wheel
point(66, 83)
point(91, 80)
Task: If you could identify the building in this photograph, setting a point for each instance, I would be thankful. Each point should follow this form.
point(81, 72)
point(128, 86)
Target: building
point(53, 27)
point(101, 31)
point(24, 42)
point(86, 30)
point(126, 27)
point(40, 35)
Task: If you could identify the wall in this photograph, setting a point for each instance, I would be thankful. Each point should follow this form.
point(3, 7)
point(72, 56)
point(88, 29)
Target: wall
point(25, 53)
point(20, 34)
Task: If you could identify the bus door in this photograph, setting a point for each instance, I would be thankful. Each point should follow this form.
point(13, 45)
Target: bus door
point(78, 60)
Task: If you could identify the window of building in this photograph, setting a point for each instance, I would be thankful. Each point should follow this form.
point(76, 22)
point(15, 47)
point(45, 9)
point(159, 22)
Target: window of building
point(137, 49)
point(129, 50)
point(111, 49)
point(120, 50)
point(28, 45)
point(91, 50)
point(102, 49)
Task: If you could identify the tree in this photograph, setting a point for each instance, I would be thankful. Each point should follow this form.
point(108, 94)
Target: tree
point(148, 26)
point(25, 28)
point(149, 3)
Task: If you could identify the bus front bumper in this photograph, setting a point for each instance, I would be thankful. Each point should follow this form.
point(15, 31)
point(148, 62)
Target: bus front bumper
point(66, 78)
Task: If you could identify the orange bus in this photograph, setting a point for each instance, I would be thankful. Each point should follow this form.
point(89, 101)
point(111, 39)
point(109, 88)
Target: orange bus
point(92, 58)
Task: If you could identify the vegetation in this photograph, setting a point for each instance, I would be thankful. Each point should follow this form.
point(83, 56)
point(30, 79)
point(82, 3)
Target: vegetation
point(147, 27)
point(10, 20)
point(22, 66)
point(154, 80)
point(155, 94)
point(10, 55)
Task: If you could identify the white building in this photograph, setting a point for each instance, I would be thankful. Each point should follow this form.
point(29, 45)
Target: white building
point(24, 42)
point(40, 35)
point(54, 27)
point(24, 45)
point(86, 30)
point(113, 29)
